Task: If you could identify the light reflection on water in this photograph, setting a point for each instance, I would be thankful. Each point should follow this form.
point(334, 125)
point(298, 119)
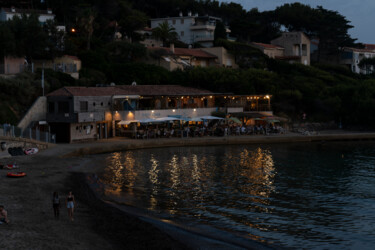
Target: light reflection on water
point(299, 196)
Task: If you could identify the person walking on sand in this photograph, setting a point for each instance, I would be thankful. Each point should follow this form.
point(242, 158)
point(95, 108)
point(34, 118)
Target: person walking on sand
point(70, 203)
point(56, 204)
point(3, 215)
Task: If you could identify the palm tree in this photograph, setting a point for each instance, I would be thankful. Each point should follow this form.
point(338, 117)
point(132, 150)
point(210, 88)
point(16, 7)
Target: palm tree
point(165, 33)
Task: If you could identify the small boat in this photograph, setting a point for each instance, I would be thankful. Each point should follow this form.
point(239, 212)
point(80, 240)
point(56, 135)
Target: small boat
point(31, 151)
point(16, 174)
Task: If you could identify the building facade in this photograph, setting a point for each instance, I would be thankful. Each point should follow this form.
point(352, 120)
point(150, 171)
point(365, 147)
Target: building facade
point(43, 15)
point(192, 28)
point(90, 113)
point(351, 57)
point(272, 51)
point(12, 65)
point(296, 47)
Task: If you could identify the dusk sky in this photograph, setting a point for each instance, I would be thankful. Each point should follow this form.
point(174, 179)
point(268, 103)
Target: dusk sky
point(359, 12)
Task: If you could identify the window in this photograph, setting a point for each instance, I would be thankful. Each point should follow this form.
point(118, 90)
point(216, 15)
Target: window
point(174, 21)
point(51, 107)
point(63, 107)
point(83, 106)
point(182, 33)
point(182, 21)
point(304, 49)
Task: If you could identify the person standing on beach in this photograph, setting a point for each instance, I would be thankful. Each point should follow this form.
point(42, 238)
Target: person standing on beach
point(56, 204)
point(3, 215)
point(70, 204)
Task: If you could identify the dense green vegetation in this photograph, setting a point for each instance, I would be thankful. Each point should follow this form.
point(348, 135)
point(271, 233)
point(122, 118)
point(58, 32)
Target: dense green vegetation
point(323, 92)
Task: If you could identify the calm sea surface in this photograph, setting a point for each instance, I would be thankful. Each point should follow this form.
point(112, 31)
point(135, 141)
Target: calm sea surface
point(310, 196)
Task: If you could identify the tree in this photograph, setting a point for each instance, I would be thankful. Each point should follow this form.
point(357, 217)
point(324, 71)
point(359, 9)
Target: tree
point(131, 20)
point(329, 26)
point(30, 39)
point(220, 31)
point(7, 40)
point(56, 40)
point(367, 64)
point(165, 33)
point(121, 51)
point(86, 24)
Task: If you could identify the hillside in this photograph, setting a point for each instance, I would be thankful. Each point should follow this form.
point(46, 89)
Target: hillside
point(323, 92)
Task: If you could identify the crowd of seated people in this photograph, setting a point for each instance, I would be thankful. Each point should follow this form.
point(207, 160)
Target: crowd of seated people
point(153, 131)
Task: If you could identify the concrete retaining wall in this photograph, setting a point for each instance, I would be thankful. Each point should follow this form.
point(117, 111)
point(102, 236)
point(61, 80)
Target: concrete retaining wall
point(37, 112)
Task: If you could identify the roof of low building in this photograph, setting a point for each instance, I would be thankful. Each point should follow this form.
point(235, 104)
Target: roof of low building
point(370, 46)
point(268, 46)
point(198, 53)
point(359, 50)
point(143, 90)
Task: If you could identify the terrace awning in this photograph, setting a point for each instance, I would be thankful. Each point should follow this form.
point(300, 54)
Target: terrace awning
point(208, 117)
point(235, 120)
point(167, 119)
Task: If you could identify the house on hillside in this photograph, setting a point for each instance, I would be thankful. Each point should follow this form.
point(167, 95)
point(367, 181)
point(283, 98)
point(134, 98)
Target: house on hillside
point(180, 58)
point(68, 64)
point(8, 14)
point(351, 57)
point(272, 51)
point(12, 65)
point(90, 113)
point(147, 39)
point(192, 28)
point(296, 47)
point(224, 58)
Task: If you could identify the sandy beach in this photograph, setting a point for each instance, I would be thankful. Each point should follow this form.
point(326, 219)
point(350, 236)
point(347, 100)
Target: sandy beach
point(97, 225)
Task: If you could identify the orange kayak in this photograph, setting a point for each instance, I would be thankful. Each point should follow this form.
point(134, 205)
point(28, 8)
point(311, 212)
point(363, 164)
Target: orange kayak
point(16, 174)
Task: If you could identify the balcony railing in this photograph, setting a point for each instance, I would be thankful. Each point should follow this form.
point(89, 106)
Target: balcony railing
point(202, 27)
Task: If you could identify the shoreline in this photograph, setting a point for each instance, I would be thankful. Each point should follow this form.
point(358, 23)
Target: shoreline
point(122, 144)
point(27, 200)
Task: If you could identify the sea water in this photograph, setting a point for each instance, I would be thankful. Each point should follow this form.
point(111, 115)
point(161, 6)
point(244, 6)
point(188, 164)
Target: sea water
point(314, 196)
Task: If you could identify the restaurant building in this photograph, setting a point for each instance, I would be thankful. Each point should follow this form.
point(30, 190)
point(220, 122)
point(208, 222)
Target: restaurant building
point(89, 113)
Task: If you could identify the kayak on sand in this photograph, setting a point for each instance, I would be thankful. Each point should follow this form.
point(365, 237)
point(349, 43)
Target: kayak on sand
point(16, 174)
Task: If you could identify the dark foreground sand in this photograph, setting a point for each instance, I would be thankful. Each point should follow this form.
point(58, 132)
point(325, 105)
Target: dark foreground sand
point(97, 224)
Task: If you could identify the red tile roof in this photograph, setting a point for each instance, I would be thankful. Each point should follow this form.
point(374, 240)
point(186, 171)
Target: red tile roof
point(193, 52)
point(359, 50)
point(198, 53)
point(370, 46)
point(143, 90)
point(268, 46)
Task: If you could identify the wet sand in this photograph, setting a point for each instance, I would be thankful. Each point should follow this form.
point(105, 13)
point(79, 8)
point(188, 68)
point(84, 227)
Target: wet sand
point(97, 224)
